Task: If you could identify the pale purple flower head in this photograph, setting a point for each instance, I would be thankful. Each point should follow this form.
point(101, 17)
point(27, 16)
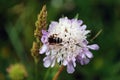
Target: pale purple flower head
point(65, 42)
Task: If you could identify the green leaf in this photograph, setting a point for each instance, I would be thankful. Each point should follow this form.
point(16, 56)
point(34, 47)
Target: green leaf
point(76, 16)
point(96, 35)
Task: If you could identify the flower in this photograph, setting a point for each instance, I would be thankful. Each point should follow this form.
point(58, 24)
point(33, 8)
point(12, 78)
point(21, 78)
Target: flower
point(65, 42)
point(17, 71)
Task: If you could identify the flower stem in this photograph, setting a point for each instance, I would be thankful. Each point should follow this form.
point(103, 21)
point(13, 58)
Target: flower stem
point(58, 73)
point(96, 35)
point(36, 71)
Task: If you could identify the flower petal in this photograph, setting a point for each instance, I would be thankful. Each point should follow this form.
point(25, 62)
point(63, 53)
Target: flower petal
point(80, 22)
point(73, 61)
point(93, 47)
point(58, 59)
point(82, 55)
point(52, 26)
point(53, 63)
point(44, 39)
point(85, 42)
point(84, 61)
point(43, 49)
point(47, 61)
point(65, 62)
point(70, 68)
point(86, 32)
point(48, 52)
point(83, 27)
point(44, 32)
point(63, 20)
point(74, 23)
point(88, 54)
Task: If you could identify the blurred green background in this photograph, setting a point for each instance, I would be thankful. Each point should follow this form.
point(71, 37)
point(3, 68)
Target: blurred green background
point(17, 24)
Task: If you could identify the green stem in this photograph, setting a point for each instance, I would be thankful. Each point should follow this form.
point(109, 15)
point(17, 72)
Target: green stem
point(58, 73)
point(96, 35)
point(36, 70)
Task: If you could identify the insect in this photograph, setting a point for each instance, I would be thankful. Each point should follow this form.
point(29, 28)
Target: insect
point(53, 39)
